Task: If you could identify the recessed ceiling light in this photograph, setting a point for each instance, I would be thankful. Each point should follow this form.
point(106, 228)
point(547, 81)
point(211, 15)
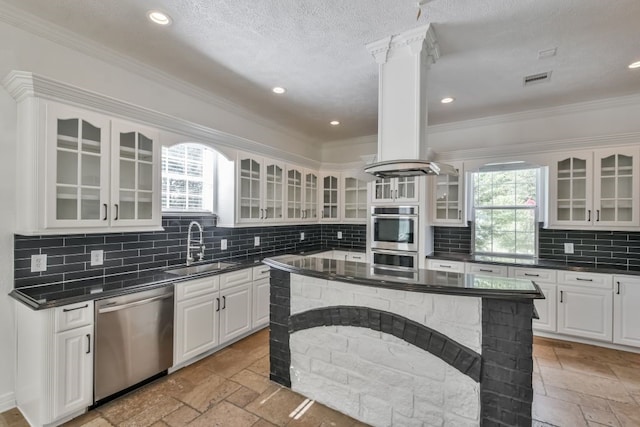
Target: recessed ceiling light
point(634, 65)
point(447, 100)
point(334, 123)
point(279, 90)
point(158, 17)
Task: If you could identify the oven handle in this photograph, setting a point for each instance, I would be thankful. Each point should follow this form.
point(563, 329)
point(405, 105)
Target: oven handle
point(394, 216)
point(392, 252)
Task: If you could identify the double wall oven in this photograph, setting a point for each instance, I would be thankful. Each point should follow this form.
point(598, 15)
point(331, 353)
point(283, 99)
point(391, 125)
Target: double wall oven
point(394, 237)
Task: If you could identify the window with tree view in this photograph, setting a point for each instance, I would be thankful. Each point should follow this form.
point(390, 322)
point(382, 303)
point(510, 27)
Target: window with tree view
point(505, 212)
point(187, 178)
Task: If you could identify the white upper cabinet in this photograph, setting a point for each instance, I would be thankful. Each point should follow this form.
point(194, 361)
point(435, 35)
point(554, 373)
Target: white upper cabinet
point(447, 199)
point(135, 193)
point(87, 172)
point(330, 196)
point(302, 194)
point(594, 189)
point(261, 184)
point(354, 202)
point(395, 190)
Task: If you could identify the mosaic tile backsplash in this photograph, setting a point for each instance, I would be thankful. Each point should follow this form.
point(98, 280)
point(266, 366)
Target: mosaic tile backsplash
point(69, 256)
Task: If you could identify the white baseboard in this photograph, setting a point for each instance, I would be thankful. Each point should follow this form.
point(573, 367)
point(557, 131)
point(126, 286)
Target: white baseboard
point(580, 340)
point(7, 401)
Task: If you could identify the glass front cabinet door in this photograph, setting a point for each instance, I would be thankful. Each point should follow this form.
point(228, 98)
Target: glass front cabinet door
point(330, 197)
point(447, 207)
point(615, 188)
point(134, 180)
point(354, 205)
point(78, 168)
point(571, 190)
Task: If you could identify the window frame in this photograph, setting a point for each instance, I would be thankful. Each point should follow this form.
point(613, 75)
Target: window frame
point(214, 183)
point(538, 209)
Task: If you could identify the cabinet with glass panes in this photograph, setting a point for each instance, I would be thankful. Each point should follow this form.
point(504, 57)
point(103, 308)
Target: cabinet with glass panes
point(354, 204)
point(101, 173)
point(595, 189)
point(447, 203)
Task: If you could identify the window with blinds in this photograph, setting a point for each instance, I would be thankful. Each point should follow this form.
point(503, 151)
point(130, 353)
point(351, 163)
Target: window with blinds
point(188, 172)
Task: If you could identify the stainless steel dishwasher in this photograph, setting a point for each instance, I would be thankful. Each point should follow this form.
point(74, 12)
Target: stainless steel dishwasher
point(134, 339)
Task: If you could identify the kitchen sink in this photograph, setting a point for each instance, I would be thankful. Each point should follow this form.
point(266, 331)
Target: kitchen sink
point(200, 268)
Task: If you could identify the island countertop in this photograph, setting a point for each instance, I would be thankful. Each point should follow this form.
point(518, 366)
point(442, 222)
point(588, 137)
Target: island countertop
point(429, 281)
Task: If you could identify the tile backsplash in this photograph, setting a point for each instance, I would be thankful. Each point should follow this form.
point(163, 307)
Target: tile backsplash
point(604, 249)
point(69, 256)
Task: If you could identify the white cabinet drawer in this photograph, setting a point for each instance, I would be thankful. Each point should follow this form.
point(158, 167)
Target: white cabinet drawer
point(234, 278)
point(535, 274)
point(440, 265)
point(595, 280)
point(74, 316)
point(487, 269)
point(196, 288)
point(357, 256)
point(261, 272)
point(340, 255)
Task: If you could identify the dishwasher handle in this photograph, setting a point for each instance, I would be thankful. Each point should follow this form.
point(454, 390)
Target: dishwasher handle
point(133, 304)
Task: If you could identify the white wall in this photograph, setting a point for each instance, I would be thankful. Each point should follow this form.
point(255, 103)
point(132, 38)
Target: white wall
point(587, 125)
point(7, 220)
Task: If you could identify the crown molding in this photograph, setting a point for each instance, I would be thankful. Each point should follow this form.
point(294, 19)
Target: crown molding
point(542, 113)
point(542, 147)
point(419, 39)
point(22, 85)
point(54, 33)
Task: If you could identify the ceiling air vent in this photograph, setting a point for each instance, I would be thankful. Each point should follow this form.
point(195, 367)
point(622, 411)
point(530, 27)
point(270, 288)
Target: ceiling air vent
point(537, 78)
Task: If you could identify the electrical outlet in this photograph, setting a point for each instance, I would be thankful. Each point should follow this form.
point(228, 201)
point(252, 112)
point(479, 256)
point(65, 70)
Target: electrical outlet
point(97, 257)
point(339, 234)
point(256, 241)
point(302, 235)
point(38, 263)
point(568, 248)
point(223, 244)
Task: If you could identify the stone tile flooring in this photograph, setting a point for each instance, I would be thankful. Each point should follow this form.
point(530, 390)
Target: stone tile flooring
point(575, 385)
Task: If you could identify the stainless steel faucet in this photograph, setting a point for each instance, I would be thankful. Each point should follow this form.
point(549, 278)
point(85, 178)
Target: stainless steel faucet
point(197, 245)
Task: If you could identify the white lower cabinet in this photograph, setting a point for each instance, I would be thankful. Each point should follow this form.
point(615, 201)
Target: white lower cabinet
point(73, 376)
point(546, 308)
point(261, 297)
point(585, 312)
point(213, 311)
point(54, 366)
point(626, 310)
point(235, 312)
point(445, 265)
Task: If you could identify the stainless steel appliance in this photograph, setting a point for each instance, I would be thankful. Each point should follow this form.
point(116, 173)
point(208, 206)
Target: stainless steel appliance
point(394, 228)
point(395, 260)
point(134, 339)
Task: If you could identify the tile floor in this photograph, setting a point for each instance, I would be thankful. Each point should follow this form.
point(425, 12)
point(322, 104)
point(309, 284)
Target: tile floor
point(575, 385)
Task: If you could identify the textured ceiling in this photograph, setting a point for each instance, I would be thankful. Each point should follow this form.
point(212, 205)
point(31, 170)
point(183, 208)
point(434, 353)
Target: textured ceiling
point(239, 49)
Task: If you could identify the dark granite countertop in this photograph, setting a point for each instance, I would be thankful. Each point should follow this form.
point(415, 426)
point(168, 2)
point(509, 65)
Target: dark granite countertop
point(429, 281)
point(531, 263)
point(71, 292)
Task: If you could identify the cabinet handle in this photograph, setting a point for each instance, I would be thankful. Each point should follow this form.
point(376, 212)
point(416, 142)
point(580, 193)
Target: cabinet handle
point(444, 266)
point(396, 194)
point(88, 343)
point(459, 213)
point(589, 215)
point(531, 275)
point(486, 270)
point(584, 280)
point(224, 302)
point(106, 208)
point(618, 291)
point(322, 214)
point(217, 304)
point(561, 295)
point(266, 214)
point(66, 310)
point(597, 214)
point(261, 213)
point(117, 209)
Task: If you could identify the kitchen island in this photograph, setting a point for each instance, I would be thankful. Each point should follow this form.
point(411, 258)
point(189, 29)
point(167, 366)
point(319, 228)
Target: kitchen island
point(403, 348)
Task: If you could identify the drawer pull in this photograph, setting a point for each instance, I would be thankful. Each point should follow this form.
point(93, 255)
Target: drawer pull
point(584, 280)
point(66, 310)
point(531, 275)
point(618, 291)
point(486, 270)
point(445, 266)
